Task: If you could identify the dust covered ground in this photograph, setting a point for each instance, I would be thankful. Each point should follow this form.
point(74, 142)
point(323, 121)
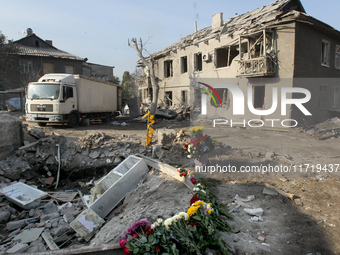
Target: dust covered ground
point(283, 228)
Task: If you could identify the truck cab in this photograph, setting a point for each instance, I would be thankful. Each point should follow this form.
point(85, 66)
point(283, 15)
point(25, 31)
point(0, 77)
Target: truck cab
point(51, 99)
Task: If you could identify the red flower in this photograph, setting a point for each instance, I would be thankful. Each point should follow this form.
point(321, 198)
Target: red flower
point(126, 251)
point(194, 224)
point(193, 181)
point(194, 199)
point(134, 236)
point(157, 249)
point(148, 231)
point(122, 242)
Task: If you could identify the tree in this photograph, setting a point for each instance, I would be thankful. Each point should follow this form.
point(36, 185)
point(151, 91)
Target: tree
point(129, 88)
point(8, 59)
point(148, 64)
point(116, 80)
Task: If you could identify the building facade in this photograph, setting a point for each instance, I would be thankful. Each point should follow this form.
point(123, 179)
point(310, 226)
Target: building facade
point(260, 52)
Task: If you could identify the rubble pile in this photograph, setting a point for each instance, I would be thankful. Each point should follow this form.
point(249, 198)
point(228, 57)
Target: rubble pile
point(326, 130)
point(38, 229)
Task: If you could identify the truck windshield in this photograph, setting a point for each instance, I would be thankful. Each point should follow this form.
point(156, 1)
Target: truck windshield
point(43, 91)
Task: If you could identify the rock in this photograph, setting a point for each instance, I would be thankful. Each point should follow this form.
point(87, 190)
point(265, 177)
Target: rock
point(254, 212)
point(118, 160)
point(94, 154)
point(256, 218)
point(33, 249)
point(50, 208)
point(166, 136)
point(261, 239)
point(55, 225)
point(31, 212)
point(4, 216)
point(15, 225)
point(14, 233)
point(270, 155)
point(18, 248)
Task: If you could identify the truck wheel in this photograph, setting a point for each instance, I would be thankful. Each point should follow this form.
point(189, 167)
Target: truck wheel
point(107, 118)
point(42, 124)
point(73, 120)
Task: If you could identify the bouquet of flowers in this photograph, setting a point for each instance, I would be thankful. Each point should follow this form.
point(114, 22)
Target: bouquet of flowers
point(199, 144)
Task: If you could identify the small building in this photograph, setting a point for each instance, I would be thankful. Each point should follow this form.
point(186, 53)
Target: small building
point(274, 46)
point(101, 72)
point(38, 57)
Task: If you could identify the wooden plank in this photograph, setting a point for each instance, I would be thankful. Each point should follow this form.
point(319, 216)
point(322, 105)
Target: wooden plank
point(49, 241)
point(170, 170)
point(63, 196)
point(281, 192)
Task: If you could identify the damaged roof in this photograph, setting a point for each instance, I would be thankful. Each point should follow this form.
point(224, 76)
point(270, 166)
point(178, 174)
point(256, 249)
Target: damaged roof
point(44, 49)
point(245, 23)
point(46, 52)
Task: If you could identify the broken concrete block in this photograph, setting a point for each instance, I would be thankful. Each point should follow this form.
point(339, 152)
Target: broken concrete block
point(49, 216)
point(270, 192)
point(166, 136)
point(15, 225)
point(68, 217)
point(31, 212)
point(4, 216)
point(256, 219)
point(36, 132)
point(254, 212)
point(50, 208)
point(298, 202)
point(29, 235)
point(61, 230)
point(10, 126)
point(18, 248)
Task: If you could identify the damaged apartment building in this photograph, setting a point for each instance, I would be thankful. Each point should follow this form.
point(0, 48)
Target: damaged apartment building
point(275, 46)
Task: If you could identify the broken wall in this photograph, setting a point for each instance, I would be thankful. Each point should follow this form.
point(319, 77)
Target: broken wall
point(11, 135)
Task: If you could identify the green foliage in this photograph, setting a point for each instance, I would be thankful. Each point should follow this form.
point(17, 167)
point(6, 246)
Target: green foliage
point(129, 88)
point(8, 59)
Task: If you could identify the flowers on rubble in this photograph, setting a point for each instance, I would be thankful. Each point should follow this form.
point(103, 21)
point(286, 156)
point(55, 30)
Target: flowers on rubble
point(199, 144)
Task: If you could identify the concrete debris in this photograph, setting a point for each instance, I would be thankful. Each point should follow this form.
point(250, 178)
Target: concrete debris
point(267, 191)
point(326, 130)
point(18, 248)
point(166, 136)
point(254, 212)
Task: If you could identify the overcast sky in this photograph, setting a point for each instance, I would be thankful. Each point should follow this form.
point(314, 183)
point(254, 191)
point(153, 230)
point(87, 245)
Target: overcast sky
point(99, 30)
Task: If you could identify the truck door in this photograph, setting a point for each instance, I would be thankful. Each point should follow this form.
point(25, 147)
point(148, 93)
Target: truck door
point(69, 100)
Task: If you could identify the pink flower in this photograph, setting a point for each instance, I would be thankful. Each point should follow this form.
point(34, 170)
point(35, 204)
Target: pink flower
point(122, 243)
point(126, 251)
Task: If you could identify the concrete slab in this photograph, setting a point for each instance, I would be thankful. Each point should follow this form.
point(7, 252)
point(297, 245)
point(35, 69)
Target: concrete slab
point(29, 235)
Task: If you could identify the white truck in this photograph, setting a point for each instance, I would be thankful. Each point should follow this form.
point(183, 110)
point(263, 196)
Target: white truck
point(70, 98)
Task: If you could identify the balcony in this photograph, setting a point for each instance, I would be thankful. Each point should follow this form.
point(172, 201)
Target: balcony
point(256, 67)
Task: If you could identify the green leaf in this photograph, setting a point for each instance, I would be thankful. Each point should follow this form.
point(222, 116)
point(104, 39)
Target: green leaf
point(143, 239)
point(136, 250)
point(151, 239)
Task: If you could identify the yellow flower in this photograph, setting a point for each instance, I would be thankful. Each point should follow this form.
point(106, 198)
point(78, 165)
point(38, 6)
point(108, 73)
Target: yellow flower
point(209, 211)
point(192, 210)
point(196, 128)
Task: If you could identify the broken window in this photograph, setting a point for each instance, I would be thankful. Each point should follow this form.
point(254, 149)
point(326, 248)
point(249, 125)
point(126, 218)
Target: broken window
point(224, 96)
point(337, 57)
point(198, 61)
point(168, 68)
point(322, 97)
point(259, 94)
point(225, 56)
point(325, 53)
point(168, 98)
point(184, 96)
point(184, 64)
point(336, 97)
point(26, 66)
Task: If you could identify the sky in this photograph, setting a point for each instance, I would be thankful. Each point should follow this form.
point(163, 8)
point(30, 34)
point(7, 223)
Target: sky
point(99, 29)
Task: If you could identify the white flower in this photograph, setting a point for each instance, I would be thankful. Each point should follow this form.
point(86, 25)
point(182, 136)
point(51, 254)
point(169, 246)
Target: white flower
point(184, 215)
point(159, 220)
point(195, 189)
point(167, 223)
point(176, 217)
